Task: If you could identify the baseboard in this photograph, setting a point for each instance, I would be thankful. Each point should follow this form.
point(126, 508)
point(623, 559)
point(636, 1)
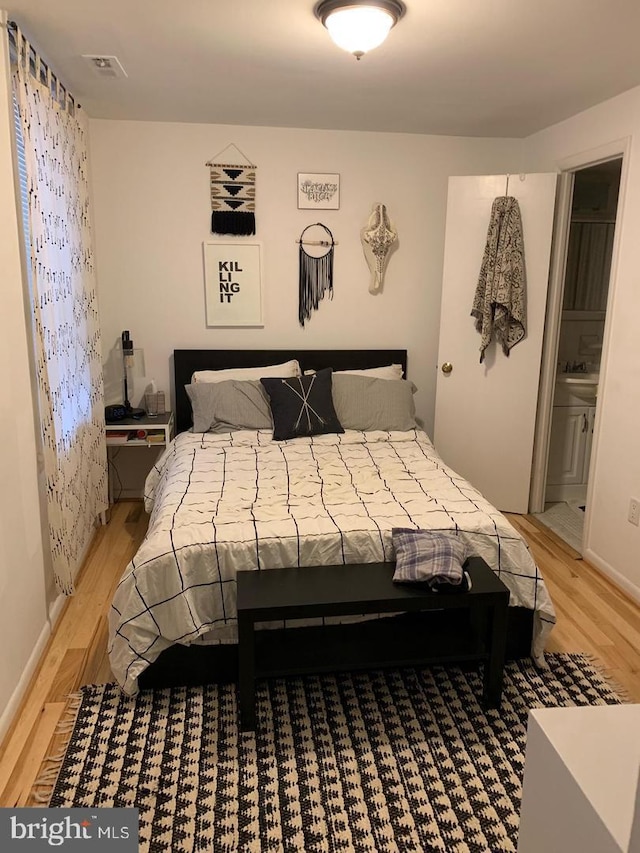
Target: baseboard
point(613, 575)
point(54, 613)
point(556, 494)
point(129, 495)
point(55, 610)
point(17, 696)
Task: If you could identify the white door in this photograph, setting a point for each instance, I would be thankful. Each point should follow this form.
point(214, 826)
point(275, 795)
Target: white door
point(485, 413)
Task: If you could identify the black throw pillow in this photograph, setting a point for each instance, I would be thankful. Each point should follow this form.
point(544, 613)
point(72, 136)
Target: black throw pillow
point(302, 405)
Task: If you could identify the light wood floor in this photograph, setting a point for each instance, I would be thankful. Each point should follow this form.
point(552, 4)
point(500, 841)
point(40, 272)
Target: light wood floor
point(593, 616)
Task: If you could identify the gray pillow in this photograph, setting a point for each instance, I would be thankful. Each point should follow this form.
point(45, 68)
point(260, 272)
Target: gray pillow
point(367, 403)
point(229, 405)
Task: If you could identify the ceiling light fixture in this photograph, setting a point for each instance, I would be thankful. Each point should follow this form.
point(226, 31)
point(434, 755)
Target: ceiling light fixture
point(359, 25)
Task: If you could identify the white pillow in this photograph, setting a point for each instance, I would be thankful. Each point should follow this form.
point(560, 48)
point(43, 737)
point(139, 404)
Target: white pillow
point(391, 371)
point(284, 371)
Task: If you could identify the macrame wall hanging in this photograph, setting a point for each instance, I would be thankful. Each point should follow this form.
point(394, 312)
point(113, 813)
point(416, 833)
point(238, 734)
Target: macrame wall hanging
point(233, 193)
point(316, 271)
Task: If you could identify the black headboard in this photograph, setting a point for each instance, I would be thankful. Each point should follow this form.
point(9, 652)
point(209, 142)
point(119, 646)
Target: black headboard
point(186, 361)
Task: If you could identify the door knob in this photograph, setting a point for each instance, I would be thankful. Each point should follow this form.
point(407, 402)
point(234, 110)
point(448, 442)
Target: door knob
point(447, 367)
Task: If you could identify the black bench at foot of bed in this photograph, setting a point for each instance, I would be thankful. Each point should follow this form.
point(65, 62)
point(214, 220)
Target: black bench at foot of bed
point(284, 594)
point(202, 664)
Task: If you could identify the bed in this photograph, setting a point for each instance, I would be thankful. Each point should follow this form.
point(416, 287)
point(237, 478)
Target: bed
point(235, 498)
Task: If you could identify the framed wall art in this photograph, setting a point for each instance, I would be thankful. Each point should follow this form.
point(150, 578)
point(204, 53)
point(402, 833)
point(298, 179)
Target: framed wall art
point(233, 284)
point(318, 191)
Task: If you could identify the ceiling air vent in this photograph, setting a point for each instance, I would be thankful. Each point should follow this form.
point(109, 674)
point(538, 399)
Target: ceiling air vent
point(106, 66)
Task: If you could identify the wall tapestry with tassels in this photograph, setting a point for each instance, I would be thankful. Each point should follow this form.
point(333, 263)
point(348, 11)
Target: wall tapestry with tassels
point(233, 194)
point(315, 276)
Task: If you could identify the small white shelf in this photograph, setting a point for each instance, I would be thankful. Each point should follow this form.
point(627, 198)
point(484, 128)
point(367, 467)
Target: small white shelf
point(159, 431)
point(119, 441)
point(122, 463)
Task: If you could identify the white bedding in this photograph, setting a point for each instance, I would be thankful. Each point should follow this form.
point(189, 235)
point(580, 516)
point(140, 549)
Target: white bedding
point(220, 503)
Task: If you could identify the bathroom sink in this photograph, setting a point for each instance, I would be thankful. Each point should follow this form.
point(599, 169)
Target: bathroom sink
point(584, 386)
point(578, 378)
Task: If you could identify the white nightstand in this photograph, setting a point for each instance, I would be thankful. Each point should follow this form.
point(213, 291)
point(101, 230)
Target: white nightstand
point(158, 430)
point(144, 432)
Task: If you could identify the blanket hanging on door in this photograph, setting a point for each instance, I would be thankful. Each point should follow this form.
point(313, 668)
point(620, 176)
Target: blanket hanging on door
point(233, 194)
point(499, 305)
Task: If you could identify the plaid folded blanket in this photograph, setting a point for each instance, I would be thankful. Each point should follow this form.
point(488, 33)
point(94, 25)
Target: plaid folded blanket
point(426, 556)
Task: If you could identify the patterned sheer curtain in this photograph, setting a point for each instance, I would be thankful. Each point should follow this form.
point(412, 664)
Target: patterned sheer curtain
point(66, 331)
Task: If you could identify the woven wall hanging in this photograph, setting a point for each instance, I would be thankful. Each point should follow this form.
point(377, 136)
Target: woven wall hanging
point(233, 194)
point(315, 276)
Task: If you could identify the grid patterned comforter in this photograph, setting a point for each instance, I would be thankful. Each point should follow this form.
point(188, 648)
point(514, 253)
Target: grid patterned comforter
point(220, 503)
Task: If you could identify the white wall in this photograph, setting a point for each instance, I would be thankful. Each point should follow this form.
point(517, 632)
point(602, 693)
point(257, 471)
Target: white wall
point(612, 543)
point(152, 214)
point(23, 617)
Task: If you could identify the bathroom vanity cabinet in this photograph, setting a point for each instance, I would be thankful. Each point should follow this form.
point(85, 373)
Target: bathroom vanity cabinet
point(572, 423)
point(570, 449)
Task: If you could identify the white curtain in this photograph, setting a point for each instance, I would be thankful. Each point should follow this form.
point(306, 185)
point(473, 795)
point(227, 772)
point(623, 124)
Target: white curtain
point(65, 307)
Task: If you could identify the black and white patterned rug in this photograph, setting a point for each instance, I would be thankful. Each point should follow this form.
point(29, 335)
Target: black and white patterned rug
point(402, 760)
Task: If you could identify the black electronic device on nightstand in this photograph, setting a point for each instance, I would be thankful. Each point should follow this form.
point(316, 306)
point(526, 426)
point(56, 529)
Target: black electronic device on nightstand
point(113, 414)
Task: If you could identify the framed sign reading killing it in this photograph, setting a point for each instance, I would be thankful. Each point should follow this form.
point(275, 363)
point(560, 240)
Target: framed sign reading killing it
point(232, 281)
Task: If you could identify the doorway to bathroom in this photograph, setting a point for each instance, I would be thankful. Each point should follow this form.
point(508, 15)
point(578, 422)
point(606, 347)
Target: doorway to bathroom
point(587, 272)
